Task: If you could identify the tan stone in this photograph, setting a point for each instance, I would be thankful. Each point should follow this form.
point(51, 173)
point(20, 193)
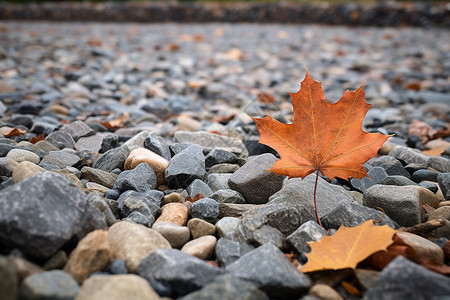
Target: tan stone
point(92, 254)
point(176, 213)
point(199, 228)
point(201, 247)
point(172, 198)
point(158, 163)
point(133, 242)
point(26, 170)
point(423, 248)
point(324, 292)
point(117, 287)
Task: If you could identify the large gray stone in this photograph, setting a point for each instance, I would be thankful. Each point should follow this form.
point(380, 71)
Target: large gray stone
point(254, 182)
point(140, 179)
point(375, 176)
point(112, 159)
point(227, 251)
point(55, 284)
point(40, 214)
point(392, 165)
point(308, 232)
point(269, 269)
point(403, 204)
point(441, 164)
point(408, 155)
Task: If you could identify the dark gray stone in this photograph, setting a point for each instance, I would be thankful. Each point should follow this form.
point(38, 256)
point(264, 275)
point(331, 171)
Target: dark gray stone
point(148, 204)
point(219, 156)
point(140, 179)
point(156, 144)
point(309, 231)
point(77, 130)
point(103, 207)
point(329, 196)
point(112, 159)
point(228, 251)
point(8, 279)
point(61, 159)
point(404, 279)
point(198, 187)
point(441, 164)
point(176, 272)
point(206, 209)
point(61, 140)
point(176, 148)
point(408, 155)
point(55, 284)
point(397, 180)
point(254, 182)
point(99, 176)
point(272, 223)
point(444, 183)
point(375, 176)
point(392, 165)
point(139, 218)
point(185, 167)
point(353, 214)
point(219, 181)
point(117, 266)
point(412, 167)
point(269, 269)
point(424, 175)
point(40, 214)
point(7, 166)
point(429, 186)
point(228, 196)
point(228, 287)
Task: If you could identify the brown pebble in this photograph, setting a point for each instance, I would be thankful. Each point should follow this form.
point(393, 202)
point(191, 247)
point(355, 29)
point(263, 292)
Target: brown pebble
point(199, 228)
point(324, 292)
point(172, 198)
point(176, 213)
point(201, 247)
point(158, 163)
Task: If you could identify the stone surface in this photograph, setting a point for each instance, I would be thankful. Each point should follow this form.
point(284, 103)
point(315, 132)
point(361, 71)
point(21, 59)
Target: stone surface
point(140, 179)
point(77, 130)
point(185, 167)
point(176, 273)
point(117, 266)
point(403, 204)
point(199, 228)
point(198, 187)
point(116, 287)
point(61, 140)
point(375, 176)
point(34, 218)
point(309, 231)
point(21, 155)
point(440, 164)
point(392, 165)
point(112, 159)
point(157, 145)
point(234, 210)
point(158, 163)
point(132, 242)
point(176, 235)
point(176, 213)
point(49, 285)
point(25, 170)
point(408, 155)
point(147, 203)
point(444, 183)
point(227, 251)
point(7, 166)
point(226, 227)
point(269, 269)
point(324, 291)
point(424, 175)
point(228, 196)
point(92, 254)
point(99, 176)
point(397, 180)
point(218, 181)
point(206, 209)
point(219, 156)
point(422, 248)
point(254, 182)
point(201, 247)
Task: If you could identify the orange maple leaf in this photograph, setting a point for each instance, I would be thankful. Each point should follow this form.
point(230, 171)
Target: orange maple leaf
point(324, 137)
point(347, 247)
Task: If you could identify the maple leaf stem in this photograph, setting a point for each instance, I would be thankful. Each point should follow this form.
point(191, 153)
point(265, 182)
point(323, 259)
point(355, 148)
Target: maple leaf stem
point(315, 201)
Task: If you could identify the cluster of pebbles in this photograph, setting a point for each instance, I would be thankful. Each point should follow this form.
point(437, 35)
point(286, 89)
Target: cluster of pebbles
point(130, 168)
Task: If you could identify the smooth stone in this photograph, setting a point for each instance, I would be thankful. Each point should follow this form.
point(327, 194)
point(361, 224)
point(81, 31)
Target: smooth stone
point(375, 176)
point(34, 215)
point(99, 176)
point(442, 212)
point(54, 284)
point(227, 287)
point(132, 242)
point(92, 254)
point(25, 170)
point(422, 248)
point(157, 145)
point(61, 158)
point(116, 287)
point(228, 196)
point(254, 182)
point(112, 159)
point(202, 247)
point(309, 231)
point(117, 267)
point(353, 214)
point(397, 180)
point(392, 165)
point(176, 213)
point(219, 156)
point(158, 163)
point(175, 234)
point(424, 175)
point(226, 227)
point(8, 279)
point(408, 155)
point(137, 217)
point(61, 140)
point(301, 191)
point(403, 279)
point(92, 143)
point(185, 167)
point(20, 155)
point(403, 204)
point(198, 187)
point(173, 197)
point(228, 251)
point(324, 291)
point(271, 271)
point(223, 168)
point(432, 187)
point(412, 167)
point(77, 130)
point(176, 273)
point(219, 181)
point(57, 261)
point(234, 210)
point(44, 146)
point(206, 209)
point(444, 183)
point(140, 179)
point(440, 164)
point(199, 228)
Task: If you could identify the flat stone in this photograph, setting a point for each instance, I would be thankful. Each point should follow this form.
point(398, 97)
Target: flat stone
point(392, 165)
point(397, 180)
point(92, 254)
point(441, 164)
point(219, 156)
point(424, 175)
point(140, 179)
point(49, 285)
point(61, 140)
point(176, 235)
point(403, 204)
point(422, 248)
point(228, 196)
point(219, 181)
point(158, 163)
point(234, 210)
point(20, 155)
point(206, 209)
point(176, 213)
point(226, 227)
point(375, 176)
point(408, 155)
point(309, 231)
point(112, 159)
point(174, 273)
point(228, 251)
point(25, 170)
point(201, 247)
point(199, 228)
point(99, 176)
point(254, 182)
point(92, 143)
point(77, 130)
point(402, 277)
point(117, 287)
point(132, 242)
point(45, 146)
point(269, 269)
point(61, 158)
